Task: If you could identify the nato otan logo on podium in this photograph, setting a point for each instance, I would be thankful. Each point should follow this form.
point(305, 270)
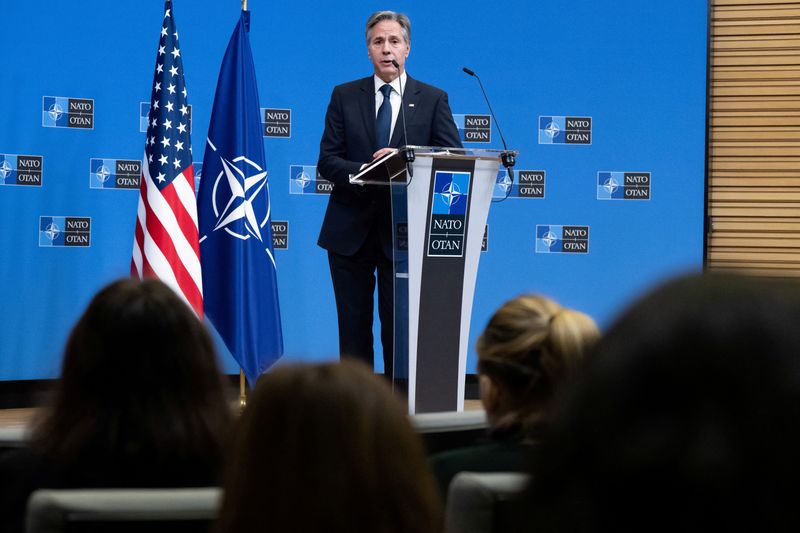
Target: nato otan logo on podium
point(530, 184)
point(144, 117)
point(623, 185)
point(67, 112)
point(276, 122)
point(304, 179)
point(114, 173)
point(448, 221)
point(56, 231)
point(565, 130)
point(474, 128)
point(23, 170)
point(551, 239)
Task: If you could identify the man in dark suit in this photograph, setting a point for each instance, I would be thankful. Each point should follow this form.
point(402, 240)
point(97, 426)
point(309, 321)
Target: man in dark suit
point(364, 123)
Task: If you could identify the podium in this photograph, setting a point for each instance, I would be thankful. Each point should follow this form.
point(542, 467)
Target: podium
point(439, 212)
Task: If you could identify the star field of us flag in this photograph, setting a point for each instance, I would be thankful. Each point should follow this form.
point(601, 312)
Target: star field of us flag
point(239, 275)
point(166, 242)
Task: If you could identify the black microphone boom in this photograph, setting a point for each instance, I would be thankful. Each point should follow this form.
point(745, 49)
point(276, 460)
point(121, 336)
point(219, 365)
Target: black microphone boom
point(408, 153)
point(507, 157)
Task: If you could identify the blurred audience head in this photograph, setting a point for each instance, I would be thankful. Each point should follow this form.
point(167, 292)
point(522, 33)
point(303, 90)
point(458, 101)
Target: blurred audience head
point(529, 347)
point(327, 448)
point(139, 378)
point(685, 417)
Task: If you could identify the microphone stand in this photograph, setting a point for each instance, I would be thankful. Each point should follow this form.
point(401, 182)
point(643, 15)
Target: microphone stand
point(507, 157)
point(408, 153)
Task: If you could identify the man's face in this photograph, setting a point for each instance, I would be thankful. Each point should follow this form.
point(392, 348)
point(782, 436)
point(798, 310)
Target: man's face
point(386, 42)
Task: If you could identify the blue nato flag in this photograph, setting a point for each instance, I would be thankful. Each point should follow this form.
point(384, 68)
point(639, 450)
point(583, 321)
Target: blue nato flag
point(239, 274)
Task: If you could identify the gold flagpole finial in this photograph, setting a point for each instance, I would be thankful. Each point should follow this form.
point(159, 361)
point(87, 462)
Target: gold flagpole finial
point(244, 5)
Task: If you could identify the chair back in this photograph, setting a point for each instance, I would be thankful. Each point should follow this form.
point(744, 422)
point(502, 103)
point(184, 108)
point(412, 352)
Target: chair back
point(181, 510)
point(484, 502)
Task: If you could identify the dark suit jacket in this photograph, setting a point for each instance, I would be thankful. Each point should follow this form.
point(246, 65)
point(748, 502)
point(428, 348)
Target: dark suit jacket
point(349, 141)
point(495, 456)
point(502, 451)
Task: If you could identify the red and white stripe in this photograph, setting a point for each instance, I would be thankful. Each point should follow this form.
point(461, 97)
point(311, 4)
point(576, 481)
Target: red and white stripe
point(166, 241)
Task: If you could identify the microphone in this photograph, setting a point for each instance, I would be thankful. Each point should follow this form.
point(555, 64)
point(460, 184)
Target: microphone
point(408, 153)
point(507, 157)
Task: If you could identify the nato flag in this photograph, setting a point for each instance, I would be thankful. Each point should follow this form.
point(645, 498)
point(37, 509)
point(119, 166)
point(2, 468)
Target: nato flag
point(239, 276)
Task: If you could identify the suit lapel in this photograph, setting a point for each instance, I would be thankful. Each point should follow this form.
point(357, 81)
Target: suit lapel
point(410, 101)
point(366, 102)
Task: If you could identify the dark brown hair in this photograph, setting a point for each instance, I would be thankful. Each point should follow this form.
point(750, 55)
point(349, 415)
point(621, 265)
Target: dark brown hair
point(139, 383)
point(685, 417)
point(327, 448)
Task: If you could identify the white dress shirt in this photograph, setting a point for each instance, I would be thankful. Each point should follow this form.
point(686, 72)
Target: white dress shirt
point(394, 97)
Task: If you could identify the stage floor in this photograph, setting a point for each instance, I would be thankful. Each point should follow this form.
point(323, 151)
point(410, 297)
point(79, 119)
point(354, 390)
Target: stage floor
point(15, 417)
point(10, 418)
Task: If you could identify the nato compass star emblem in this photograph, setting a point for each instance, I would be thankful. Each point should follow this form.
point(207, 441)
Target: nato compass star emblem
point(505, 183)
point(451, 194)
point(302, 180)
point(549, 238)
point(102, 174)
point(52, 231)
point(552, 129)
point(610, 185)
point(243, 188)
point(5, 169)
point(55, 112)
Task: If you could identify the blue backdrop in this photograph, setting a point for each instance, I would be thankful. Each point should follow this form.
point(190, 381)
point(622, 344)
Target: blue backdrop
point(637, 69)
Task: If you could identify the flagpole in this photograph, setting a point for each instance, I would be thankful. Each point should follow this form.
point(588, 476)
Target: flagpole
point(244, 5)
point(242, 393)
point(230, 264)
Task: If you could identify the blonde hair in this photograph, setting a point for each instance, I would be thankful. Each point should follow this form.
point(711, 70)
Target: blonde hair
point(529, 347)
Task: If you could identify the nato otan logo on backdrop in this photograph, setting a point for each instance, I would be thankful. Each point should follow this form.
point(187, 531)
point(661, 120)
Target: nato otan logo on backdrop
point(474, 128)
point(114, 173)
point(565, 130)
point(280, 234)
point(401, 236)
point(65, 231)
point(67, 112)
point(529, 184)
point(277, 122)
point(21, 170)
point(552, 239)
point(198, 174)
point(448, 222)
point(144, 115)
point(304, 179)
point(623, 185)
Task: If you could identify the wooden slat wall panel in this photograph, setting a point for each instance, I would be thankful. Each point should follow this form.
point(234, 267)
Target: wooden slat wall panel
point(754, 137)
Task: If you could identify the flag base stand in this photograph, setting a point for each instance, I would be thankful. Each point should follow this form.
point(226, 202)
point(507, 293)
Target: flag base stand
point(242, 391)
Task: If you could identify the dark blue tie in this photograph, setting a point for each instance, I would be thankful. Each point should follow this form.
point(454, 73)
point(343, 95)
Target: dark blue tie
point(383, 122)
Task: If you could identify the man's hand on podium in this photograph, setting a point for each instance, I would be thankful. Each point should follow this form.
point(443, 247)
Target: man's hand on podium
point(382, 152)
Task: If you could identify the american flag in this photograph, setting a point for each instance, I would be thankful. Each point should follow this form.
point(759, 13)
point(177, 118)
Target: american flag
point(166, 242)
